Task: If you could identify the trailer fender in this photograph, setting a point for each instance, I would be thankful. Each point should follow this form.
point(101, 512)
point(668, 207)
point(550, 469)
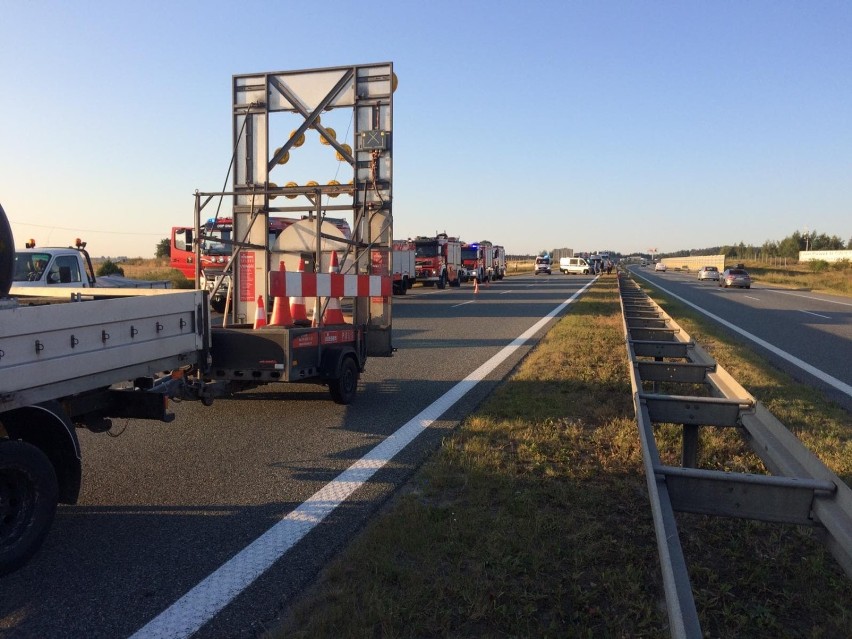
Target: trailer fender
point(332, 360)
point(47, 427)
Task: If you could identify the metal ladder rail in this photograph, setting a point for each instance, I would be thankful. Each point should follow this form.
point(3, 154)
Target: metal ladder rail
point(803, 491)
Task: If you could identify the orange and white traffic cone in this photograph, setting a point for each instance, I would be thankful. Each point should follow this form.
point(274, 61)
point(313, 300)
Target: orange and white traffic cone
point(260, 314)
point(281, 308)
point(298, 312)
point(333, 313)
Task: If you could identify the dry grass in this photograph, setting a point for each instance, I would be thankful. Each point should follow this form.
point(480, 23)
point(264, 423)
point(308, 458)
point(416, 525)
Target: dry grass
point(533, 521)
point(835, 279)
point(154, 269)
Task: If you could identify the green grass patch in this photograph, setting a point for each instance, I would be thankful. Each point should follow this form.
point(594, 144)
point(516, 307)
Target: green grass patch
point(532, 520)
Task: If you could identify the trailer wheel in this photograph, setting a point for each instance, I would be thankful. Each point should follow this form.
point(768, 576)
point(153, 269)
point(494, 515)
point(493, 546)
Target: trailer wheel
point(345, 386)
point(28, 496)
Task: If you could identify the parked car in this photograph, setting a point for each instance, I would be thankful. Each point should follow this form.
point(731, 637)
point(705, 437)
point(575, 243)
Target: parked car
point(660, 267)
point(708, 273)
point(542, 265)
point(735, 277)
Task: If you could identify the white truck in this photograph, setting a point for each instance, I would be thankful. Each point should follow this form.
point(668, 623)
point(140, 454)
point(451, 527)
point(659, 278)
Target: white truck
point(499, 271)
point(404, 271)
point(67, 267)
point(78, 363)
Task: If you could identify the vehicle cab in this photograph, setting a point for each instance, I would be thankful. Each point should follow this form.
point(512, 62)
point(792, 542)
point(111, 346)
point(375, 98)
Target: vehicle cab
point(55, 267)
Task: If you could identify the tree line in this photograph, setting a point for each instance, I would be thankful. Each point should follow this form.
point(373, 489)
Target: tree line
point(788, 247)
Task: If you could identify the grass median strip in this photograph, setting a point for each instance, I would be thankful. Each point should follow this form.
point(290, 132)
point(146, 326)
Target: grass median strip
point(532, 520)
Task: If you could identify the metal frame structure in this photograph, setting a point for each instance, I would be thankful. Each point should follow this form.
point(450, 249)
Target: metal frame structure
point(802, 490)
point(258, 99)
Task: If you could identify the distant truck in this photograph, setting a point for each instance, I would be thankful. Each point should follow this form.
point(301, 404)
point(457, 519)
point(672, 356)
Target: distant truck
point(438, 260)
point(404, 271)
point(69, 267)
point(499, 261)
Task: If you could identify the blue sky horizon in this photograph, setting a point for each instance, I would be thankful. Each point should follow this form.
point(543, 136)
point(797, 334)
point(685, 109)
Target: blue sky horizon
point(590, 125)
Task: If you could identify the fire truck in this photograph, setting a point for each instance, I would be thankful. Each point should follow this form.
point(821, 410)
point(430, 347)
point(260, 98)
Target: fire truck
point(473, 267)
point(438, 260)
point(494, 258)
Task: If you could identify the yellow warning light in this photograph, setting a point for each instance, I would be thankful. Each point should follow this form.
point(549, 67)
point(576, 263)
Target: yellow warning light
point(285, 158)
point(334, 183)
point(272, 185)
point(312, 183)
point(31, 243)
point(292, 197)
point(346, 148)
point(317, 121)
point(331, 134)
point(299, 141)
point(394, 82)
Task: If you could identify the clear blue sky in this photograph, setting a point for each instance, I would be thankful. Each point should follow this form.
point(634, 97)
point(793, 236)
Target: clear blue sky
point(593, 125)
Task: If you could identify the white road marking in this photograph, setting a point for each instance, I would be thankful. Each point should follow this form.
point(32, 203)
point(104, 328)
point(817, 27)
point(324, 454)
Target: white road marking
point(809, 297)
point(504, 292)
point(756, 299)
point(825, 377)
point(817, 314)
point(463, 303)
point(186, 616)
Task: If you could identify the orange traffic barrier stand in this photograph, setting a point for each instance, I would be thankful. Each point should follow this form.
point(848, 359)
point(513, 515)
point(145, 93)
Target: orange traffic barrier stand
point(260, 314)
point(281, 315)
point(333, 313)
point(298, 312)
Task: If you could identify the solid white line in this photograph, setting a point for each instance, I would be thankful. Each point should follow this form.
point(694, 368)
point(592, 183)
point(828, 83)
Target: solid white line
point(756, 299)
point(463, 303)
point(825, 377)
point(184, 617)
point(817, 314)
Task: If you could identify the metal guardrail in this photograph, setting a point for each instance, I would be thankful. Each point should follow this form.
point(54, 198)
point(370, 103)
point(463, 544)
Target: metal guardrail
point(801, 490)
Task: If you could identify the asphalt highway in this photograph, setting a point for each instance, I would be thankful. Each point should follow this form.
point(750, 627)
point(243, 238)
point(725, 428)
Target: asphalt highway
point(177, 532)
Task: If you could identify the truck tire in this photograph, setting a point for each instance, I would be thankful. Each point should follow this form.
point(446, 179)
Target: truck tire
point(345, 386)
point(404, 286)
point(28, 495)
point(7, 254)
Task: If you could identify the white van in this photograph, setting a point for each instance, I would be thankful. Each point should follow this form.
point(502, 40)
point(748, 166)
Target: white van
point(575, 265)
point(542, 264)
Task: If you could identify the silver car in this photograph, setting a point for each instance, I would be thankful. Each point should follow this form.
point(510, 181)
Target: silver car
point(708, 273)
point(735, 277)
